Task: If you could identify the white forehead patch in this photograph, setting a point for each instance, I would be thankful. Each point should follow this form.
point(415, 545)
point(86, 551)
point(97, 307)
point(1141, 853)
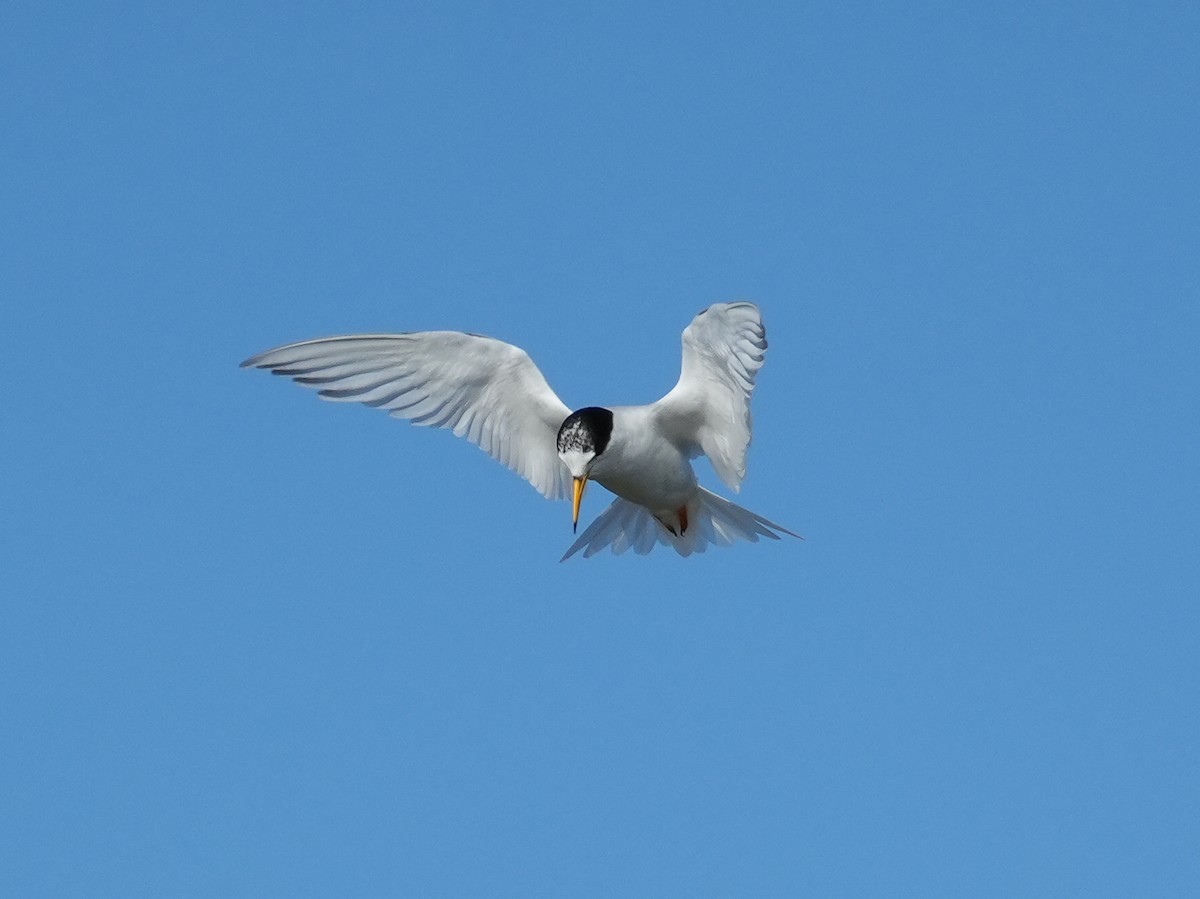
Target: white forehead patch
point(576, 461)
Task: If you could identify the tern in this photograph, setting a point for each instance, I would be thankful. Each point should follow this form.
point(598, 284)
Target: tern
point(491, 393)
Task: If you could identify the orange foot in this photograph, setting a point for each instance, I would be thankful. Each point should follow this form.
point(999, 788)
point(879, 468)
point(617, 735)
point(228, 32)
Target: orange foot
point(683, 522)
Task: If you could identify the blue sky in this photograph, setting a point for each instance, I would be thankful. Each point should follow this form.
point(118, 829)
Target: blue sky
point(255, 644)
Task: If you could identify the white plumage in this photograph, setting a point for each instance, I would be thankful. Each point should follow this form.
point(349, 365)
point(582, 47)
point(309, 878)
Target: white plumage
point(491, 393)
point(709, 408)
point(483, 389)
point(716, 522)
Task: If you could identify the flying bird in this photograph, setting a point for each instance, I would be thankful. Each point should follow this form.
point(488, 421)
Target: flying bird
point(491, 393)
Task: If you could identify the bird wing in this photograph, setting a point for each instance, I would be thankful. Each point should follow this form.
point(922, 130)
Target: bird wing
point(483, 389)
point(709, 409)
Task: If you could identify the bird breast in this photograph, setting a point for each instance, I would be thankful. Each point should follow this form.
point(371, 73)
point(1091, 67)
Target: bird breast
point(641, 465)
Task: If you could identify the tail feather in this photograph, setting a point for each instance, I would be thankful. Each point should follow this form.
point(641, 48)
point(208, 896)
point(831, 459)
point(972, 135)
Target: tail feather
point(712, 520)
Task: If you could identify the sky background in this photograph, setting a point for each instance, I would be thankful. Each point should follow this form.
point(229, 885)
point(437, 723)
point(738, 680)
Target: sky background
point(255, 644)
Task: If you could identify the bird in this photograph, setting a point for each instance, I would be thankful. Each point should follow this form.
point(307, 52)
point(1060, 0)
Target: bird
point(493, 394)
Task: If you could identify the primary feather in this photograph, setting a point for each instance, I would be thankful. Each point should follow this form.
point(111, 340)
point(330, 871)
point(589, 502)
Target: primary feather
point(708, 410)
point(483, 389)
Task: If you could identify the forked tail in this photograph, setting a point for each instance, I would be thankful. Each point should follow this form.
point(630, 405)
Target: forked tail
point(712, 521)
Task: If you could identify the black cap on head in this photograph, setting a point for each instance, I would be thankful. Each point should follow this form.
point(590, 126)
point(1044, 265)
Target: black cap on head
point(587, 430)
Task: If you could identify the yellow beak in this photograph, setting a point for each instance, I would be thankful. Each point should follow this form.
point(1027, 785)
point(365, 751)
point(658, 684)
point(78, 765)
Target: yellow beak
point(580, 485)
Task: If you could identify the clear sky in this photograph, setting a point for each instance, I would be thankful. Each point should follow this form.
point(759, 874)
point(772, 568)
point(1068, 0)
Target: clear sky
point(255, 644)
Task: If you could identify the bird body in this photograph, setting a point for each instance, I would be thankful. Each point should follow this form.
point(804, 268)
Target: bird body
point(491, 393)
point(637, 447)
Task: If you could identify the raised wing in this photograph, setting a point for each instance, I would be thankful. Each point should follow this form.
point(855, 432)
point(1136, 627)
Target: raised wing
point(708, 411)
point(483, 389)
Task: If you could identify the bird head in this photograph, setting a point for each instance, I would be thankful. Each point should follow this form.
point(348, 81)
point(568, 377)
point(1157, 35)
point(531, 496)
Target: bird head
point(583, 436)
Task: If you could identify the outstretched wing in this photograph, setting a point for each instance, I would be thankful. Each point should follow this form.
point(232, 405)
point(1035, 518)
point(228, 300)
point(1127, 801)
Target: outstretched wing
point(708, 411)
point(483, 389)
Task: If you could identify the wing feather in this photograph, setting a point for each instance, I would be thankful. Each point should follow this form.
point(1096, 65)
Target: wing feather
point(483, 389)
point(708, 410)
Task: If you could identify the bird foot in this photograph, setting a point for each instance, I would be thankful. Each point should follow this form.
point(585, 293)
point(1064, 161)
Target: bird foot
point(683, 523)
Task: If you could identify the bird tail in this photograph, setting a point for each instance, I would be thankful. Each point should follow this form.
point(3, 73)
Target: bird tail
point(712, 521)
